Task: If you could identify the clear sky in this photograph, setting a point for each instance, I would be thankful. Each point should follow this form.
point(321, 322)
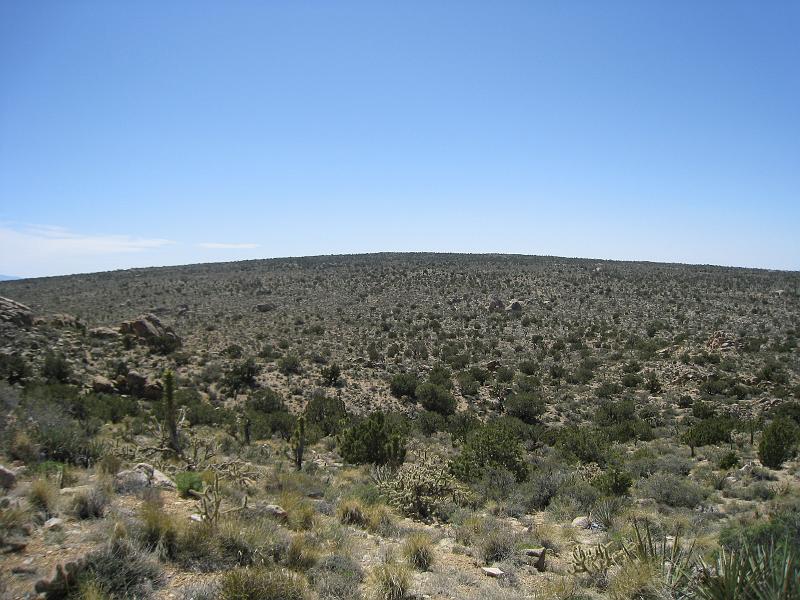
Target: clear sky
point(152, 133)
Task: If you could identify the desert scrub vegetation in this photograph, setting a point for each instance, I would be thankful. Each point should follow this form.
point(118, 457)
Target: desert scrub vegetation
point(331, 426)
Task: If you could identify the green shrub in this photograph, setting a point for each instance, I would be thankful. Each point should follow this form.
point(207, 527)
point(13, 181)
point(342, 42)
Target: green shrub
point(488, 447)
point(584, 444)
point(55, 368)
point(436, 398)
point(672, 490)
point(290, 365)
point(372, 440)
point(328, 414)
point(778, 443)
point(525, 406)
point(188, 480)
point(728, 460)
point(241, 376)
point(404, 384)
point(613, 482)
point(262, 583)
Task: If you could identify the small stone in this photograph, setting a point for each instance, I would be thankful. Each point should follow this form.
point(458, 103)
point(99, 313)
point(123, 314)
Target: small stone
point(54, 523)
point(582, 522)
point(196, 517)
point(275, 511)
point(8, 478)
point(492, 571)
point(535, 552)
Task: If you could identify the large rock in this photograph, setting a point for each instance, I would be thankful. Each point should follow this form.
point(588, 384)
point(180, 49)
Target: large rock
point(150, 329)
point(64, 320)
point(12, 311)
point(8, 478)
point(104, 332)
point(135, 383)
point(141, 476)
point(130, 480)
point(102, 385)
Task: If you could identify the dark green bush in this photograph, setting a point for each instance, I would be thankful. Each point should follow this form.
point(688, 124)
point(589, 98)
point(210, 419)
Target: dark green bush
point(778, 443)
point(404, 384)
point(613, 482)
point(241, 376)
point(525, 406)
point(436, 398)
point(372, 441)
point(328, 414)
point(488, 447)
point(584, 444)
point(188, 480)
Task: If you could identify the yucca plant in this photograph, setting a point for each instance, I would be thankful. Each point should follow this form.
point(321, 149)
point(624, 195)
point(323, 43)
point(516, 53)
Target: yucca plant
point(675, 560)
point(765, 572)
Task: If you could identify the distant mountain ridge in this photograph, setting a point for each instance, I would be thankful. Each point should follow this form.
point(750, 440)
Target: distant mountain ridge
point(9, 277)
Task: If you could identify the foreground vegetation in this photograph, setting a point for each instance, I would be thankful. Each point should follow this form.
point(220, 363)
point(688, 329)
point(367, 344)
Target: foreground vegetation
point(402, 426)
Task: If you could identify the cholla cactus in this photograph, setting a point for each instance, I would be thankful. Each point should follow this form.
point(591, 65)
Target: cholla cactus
point(421, 488)
point(595, 562)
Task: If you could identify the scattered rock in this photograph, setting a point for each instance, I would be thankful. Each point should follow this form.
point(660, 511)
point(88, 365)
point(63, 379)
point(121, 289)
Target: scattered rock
point(135, 382)
point(155, 477)
point(104, 332)
point(102, 385)
point(496, 305)
point(266, 307)
point(582, 522)
point(150, 329)
point(539, 554)
point(514, 306)
point(63, 579)
point(128, 481)
point(64, 320)
point(54, 523)
point(74, 491)
point(141, 476)
point(14, 312)
point(492, 571)
point(8, 478)
point(275, 511)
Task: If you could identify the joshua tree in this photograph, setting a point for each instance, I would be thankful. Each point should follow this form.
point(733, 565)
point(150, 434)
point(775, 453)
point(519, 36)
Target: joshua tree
point(299, 442)
point(170, 413)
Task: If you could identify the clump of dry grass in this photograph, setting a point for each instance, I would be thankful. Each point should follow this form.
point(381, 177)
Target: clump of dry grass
point(417, 549)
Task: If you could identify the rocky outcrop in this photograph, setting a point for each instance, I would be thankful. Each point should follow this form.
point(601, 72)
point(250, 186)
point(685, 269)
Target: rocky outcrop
point(102, 385)
point(141, 476)
point(722, 341)
point(8, 478)
point(150, 329)
point(104, 332)
point(12, 311)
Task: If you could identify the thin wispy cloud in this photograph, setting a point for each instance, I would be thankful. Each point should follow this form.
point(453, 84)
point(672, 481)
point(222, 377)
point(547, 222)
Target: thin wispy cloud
point(226, 246)
point(46, 249)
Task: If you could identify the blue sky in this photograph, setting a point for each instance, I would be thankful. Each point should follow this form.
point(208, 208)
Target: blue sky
point(152, 133)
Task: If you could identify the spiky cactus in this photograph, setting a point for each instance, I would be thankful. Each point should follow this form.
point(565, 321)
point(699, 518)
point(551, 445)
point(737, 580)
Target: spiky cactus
point(170, 412)
point(299, 442)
